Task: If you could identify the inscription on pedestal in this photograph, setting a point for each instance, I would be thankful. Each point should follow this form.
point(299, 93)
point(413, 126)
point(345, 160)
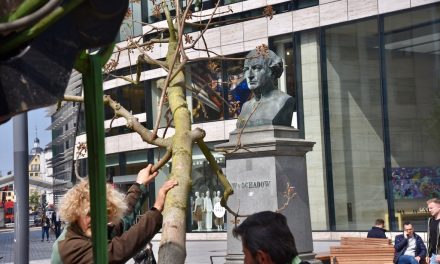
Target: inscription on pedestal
point(251, 185)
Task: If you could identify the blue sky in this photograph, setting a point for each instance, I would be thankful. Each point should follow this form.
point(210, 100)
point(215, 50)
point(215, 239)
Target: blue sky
point(36, 119)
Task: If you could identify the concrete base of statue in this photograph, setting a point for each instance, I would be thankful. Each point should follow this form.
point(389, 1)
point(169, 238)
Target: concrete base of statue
point(270, 158)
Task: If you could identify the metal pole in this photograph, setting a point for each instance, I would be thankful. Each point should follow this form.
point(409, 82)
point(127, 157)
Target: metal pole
point(21, 186)
point(94, 109)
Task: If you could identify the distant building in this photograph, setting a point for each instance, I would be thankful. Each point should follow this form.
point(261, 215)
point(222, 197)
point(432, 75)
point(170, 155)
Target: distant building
point(39, 171)
point(64, 126)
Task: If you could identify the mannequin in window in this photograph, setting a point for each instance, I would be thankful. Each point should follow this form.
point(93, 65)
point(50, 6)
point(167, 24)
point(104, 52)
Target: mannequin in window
point(198, 209)
point(218, 221)
point(208, 211)
point(202, 195)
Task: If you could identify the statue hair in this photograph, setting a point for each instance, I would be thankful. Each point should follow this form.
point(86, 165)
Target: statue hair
point(271, 59)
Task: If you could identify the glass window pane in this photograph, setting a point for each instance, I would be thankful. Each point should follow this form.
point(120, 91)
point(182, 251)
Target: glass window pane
point(355, 124)
point(412, 53)
point(131, 97)
point(208, 91)
point(219, 89)
point(207, 186)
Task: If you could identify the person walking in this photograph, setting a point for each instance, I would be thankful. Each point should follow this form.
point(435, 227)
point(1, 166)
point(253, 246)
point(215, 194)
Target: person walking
point(45, 225)
point(56, 223)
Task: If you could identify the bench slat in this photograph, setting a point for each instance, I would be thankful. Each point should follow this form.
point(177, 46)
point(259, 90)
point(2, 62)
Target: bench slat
point(362, 251)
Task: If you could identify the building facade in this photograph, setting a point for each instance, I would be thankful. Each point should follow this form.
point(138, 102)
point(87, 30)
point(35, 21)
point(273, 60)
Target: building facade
point(64, 128)
point(40, 175)
point(365, 78)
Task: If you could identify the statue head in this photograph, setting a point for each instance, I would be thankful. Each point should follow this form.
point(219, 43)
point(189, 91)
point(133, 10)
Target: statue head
point(262, 71)
point(196, 194)
point(218, 193)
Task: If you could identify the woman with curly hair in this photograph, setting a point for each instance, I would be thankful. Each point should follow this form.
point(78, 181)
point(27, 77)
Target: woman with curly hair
point(74, 245)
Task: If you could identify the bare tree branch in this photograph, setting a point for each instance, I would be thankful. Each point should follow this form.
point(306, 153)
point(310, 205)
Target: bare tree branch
point(132, 122)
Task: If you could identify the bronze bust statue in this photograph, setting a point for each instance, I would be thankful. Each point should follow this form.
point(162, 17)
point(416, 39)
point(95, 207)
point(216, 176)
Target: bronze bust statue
point(268, 106)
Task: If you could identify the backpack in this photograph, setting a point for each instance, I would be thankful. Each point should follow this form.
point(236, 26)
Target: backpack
point(145, 256)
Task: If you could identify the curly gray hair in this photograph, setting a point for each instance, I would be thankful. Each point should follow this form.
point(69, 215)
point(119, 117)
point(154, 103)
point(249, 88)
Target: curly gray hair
point(272, 60)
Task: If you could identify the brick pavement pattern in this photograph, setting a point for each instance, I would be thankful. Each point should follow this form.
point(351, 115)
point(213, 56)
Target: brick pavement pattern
point(198, 252)
point(39, 252)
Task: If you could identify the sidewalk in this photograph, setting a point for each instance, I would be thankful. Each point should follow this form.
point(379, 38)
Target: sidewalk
point(39, 252)
point(200, 247)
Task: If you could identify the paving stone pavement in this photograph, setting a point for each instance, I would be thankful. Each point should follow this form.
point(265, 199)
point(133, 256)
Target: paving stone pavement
point(39, 252)
point(198, 252)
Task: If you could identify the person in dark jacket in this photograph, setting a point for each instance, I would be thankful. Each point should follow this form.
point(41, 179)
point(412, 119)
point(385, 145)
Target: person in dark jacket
point(74, 245)
point(266, 239)
point(45, 225)
point(409, 247)
point(378, 230)
point(433, 233)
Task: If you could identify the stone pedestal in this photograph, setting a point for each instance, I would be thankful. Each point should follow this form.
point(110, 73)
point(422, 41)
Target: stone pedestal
point(269, 159)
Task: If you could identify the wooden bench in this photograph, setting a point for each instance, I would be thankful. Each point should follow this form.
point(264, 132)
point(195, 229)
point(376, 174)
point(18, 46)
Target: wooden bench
point(358, 250)
point(324, 257)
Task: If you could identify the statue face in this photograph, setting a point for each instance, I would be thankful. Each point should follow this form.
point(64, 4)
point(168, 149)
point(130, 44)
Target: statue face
point(258, 75)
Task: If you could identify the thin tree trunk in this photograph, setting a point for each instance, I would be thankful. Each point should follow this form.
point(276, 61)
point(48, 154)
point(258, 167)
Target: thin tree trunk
point(172, 246)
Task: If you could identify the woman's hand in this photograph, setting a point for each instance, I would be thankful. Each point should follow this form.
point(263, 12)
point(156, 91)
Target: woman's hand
point(160, 199)
point(145, 176)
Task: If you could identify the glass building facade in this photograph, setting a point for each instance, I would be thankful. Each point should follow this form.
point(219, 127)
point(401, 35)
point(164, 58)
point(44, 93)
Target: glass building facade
point(382, 89)
point(367, 92)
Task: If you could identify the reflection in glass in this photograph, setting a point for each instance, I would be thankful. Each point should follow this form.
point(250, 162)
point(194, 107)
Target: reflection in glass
point(218, 88)
point(131, 97)
point(208, 92)
point(355, 124)
point(412, 54)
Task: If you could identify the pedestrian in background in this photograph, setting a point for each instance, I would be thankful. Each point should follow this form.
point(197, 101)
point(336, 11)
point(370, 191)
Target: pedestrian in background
point(45, 225)
point(377, 231)
point(433, 231)
point(56, 223)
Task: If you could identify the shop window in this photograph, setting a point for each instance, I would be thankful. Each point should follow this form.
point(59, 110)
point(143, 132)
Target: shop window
point(208, 188)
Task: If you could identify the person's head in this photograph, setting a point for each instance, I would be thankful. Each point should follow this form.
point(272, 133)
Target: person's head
point(207, 193)
point(196, 194)
point(75, 206)
point(380, 223)
point(218, 193)
point(434, 207)
point(266, 239)
point(262, 71)
point(408, 228)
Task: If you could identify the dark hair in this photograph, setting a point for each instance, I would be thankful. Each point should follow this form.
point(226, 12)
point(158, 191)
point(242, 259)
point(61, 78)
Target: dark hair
point(407, 223)
point(267, 231)
point(380, 221)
